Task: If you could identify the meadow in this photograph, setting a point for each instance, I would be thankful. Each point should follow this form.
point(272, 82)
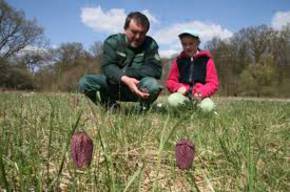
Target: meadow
point(245, 146)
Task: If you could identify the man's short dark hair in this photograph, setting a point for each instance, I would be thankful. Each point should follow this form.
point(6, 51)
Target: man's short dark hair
point(138, 18)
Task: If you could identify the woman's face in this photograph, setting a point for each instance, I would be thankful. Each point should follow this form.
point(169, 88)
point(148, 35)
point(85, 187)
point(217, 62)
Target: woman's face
point(189, 45)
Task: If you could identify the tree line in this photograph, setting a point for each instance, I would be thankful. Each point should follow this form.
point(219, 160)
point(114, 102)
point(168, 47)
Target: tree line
point(255, 61)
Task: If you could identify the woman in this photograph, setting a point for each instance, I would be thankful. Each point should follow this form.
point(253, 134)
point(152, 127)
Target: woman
point(193, 72)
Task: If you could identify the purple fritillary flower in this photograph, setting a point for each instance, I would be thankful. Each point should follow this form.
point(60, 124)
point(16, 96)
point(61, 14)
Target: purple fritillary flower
point(81, 149)
point(184, 154)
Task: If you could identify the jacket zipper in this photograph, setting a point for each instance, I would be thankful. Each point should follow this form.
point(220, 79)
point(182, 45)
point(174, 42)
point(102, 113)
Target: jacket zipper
point(191, 68)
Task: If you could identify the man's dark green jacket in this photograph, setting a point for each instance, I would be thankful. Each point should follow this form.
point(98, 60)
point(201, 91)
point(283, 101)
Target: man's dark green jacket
point(120, 59)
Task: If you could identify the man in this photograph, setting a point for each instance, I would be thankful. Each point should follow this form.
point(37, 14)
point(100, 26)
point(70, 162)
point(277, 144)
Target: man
point(131, 66)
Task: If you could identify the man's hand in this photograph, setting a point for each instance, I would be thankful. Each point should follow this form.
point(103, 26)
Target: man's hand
point(132, 83)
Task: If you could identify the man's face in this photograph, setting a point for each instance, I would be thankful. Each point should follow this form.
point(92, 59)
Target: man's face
point(135, 33)
point(189, 45)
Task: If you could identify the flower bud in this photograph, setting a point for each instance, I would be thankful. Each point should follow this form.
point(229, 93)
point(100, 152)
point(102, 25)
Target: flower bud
point(81, 149)
point(184, 154)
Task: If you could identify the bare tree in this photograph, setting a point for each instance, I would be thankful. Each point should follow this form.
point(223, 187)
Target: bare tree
point(259, 40)
point(16, 32)
point(246, 60)
point(96, 49)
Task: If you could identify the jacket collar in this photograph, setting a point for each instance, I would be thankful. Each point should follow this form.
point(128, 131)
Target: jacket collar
point(201, 53)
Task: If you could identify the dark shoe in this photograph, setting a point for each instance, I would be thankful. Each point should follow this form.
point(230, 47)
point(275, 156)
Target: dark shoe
point(113, 107)
point(141, 108)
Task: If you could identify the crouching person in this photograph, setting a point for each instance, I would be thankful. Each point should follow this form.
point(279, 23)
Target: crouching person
point(131, 67)
point(193, 75)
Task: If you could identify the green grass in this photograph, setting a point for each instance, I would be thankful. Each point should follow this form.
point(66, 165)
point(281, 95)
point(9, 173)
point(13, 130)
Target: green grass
point(246, 147)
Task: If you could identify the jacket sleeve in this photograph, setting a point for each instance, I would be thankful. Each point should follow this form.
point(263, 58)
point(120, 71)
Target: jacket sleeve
point(109, 64)
point(211, 81)
point(172, 82)
point(152, 65)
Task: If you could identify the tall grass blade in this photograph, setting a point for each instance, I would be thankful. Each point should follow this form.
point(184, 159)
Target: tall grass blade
point(65, 151)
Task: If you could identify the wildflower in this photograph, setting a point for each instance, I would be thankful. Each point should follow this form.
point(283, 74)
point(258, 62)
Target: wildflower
point(81, 149)
point(184, 154)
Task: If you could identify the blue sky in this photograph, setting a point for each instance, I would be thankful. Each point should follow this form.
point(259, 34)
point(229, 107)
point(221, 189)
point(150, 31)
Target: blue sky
point(88, 21)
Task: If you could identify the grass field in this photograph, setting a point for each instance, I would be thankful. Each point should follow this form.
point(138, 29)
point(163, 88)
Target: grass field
point(245, 147)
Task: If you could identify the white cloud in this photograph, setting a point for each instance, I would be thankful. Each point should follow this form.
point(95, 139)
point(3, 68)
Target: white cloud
point(280, 19)
point(168, 37)
point(110, 21)
point(167, 53)
point(31, 49)
point(151, 17)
